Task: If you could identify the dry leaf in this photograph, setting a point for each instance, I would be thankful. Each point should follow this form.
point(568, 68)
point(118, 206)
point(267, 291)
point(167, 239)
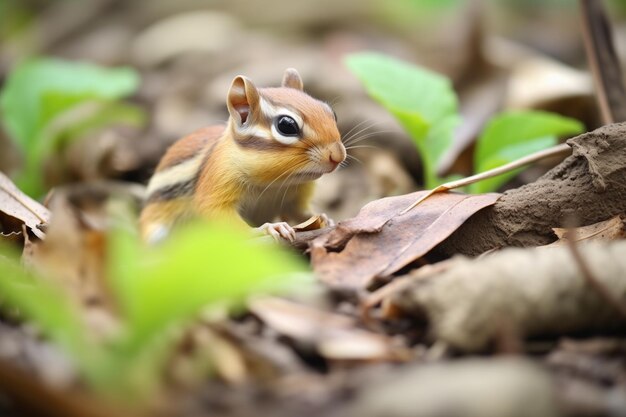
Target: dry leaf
point(204, 350)
point(380, 241)
point(16, 208)
point(611, 229)
point(335, 336)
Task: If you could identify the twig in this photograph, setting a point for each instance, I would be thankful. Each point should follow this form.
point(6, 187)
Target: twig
point(588, 275)
point(603, 61)
point(546, 153)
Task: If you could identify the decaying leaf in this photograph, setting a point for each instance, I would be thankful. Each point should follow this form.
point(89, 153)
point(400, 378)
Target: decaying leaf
point(203, 349)
point(335, 336)
point(16, 208)
point(611, 229)
point(380, 239)
point(537, 292)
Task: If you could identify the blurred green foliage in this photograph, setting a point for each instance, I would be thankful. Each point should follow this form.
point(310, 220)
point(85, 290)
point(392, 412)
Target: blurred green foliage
point(158, 290)
point(422, 101)
point(48, 102)
point(426, 106)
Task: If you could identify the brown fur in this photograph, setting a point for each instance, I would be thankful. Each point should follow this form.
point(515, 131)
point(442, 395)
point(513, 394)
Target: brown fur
point(189, 146)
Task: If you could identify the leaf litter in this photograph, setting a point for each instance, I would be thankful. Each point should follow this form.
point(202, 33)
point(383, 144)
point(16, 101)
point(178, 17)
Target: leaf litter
point(381, 239)
point(17, 209)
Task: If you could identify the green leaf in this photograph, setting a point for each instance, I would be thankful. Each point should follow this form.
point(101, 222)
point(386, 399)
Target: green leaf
point(40, 90)
point(160, 288)
point(201, 265)
point(512, 135)
point(422, 101)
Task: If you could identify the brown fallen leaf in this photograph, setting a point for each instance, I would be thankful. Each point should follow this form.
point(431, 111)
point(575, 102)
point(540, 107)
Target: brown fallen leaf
point(381, 239)
point(203, 350)
point(335, 336)
point(612, 229)
point(16, 208)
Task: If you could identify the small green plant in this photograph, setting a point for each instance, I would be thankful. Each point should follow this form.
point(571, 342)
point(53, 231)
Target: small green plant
point(426, 106)
point(157, 291)
point(46, 103)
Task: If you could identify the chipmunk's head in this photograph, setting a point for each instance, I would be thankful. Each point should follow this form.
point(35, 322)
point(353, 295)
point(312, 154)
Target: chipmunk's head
point(284, 134)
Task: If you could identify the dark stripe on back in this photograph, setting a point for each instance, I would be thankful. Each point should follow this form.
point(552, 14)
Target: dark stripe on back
point(173, 191)
point(183, 188)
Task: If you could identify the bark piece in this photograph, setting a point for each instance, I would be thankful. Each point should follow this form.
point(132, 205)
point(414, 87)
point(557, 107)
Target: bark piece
point(537, 292)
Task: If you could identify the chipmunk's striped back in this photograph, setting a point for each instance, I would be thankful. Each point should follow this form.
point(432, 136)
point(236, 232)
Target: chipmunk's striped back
point(172, 186)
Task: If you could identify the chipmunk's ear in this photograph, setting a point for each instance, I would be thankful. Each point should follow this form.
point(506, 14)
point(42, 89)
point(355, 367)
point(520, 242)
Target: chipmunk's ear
point(291, 79)
point(243, 99)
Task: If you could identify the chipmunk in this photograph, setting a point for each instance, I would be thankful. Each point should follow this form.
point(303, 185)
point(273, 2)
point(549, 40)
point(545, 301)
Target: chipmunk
point(258, 167)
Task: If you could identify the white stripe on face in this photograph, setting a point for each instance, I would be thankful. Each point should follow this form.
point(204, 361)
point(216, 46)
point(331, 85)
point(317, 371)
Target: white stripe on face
point(272, 113)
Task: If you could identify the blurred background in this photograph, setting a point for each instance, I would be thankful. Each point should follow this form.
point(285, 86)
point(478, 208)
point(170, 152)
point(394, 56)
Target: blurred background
point(504, 54)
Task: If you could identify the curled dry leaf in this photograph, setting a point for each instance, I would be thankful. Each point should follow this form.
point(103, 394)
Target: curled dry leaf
point(537, 292)
point(611, 229)
point(16, 209)
point(380, 239)
point(335, 336)
point(313, 223)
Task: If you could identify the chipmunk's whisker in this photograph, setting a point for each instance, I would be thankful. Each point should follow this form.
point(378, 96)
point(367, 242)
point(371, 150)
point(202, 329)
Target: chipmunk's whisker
point(356, 126)
point(357, 139)
point(355, 158)
point(352, 134)
point(362, 146)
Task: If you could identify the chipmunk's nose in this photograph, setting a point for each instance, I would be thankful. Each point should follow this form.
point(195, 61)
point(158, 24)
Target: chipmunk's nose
point(336, 154)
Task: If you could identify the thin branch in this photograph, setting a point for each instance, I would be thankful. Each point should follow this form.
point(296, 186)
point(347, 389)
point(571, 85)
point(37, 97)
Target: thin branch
point(603, 61)
point(528, 159)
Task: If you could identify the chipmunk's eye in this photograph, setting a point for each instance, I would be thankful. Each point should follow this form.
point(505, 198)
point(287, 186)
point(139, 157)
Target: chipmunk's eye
point(287, 126)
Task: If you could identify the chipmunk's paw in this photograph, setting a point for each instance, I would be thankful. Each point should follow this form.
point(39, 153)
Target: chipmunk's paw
point(278, 230)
